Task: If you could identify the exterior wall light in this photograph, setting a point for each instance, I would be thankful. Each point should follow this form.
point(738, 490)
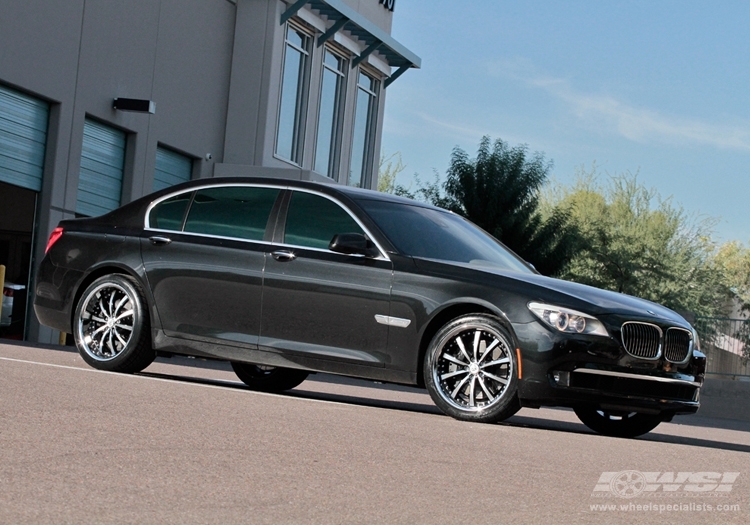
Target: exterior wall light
point(134, 104)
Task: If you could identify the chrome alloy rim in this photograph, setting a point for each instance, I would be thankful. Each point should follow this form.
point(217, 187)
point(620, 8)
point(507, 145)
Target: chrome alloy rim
point(472, 367)
point(106, 322)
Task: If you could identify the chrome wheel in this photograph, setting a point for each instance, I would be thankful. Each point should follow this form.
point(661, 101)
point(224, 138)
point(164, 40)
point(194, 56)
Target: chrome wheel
point(471, 370)
point(111, 325)
point(106, 321)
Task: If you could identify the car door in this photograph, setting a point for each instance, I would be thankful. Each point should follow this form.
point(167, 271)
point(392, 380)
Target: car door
point(204, 254)
point(318, 303)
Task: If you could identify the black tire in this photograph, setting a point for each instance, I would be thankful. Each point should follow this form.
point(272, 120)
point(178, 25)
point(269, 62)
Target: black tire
point(470, 370)
point(111, 325)
point(617, 424)
point(269, 378)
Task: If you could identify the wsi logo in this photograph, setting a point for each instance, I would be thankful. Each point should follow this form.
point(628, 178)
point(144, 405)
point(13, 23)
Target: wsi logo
point(632, 483)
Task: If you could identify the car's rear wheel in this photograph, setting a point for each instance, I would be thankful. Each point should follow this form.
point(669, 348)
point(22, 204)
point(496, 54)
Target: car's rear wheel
point(111, 325)
point(617, 424)
point(471, 370)
point(269, 378)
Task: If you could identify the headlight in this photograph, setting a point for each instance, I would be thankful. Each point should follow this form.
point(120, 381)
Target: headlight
point(567, 320)
point(696, 340)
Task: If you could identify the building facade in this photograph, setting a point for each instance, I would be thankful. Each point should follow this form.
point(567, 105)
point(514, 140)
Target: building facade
point(102, 102)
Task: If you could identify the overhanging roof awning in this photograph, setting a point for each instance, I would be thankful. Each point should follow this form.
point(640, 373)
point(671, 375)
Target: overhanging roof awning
point(374, 38)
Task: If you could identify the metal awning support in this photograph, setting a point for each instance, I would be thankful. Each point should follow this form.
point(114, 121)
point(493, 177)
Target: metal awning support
point(340, 23)
point(400, 71)
point(360, 28)
point(366, 53)
point(289, 13)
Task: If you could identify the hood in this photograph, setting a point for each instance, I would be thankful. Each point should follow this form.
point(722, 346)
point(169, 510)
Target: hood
point(603, 301)
point(588, 299)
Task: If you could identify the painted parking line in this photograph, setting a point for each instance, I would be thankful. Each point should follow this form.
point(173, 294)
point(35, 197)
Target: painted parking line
point(227, 385)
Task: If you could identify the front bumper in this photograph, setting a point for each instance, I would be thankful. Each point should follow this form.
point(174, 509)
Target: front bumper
point(598, 373)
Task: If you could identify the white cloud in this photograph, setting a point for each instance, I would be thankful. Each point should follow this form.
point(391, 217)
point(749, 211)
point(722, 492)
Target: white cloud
point(637, 124)
point(453, 130)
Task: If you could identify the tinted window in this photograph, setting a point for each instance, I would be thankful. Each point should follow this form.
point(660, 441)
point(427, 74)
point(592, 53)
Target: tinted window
point(169, 214)
point(437, 234)
point(313, 220)
point(240, 212)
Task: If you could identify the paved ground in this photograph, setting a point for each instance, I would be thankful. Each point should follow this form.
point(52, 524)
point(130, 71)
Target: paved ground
point(188, 444)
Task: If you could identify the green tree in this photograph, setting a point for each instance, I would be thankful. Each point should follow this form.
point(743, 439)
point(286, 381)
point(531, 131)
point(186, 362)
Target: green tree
point(733, 259)
point(388, 169)
point(499, 191)
point(633, 241)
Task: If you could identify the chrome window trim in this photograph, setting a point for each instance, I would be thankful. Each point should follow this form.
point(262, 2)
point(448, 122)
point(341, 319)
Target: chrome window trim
point(661, 340)
point(281, 187)
point(161, 199)
point(209, 236)
point(636, 376)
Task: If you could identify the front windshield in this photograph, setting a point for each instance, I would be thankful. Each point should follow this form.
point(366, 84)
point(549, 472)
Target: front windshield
point(437, 234)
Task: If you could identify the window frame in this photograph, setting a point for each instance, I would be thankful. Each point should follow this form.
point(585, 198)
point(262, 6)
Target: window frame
point(289, 207)
point(225, 200)
point(301, 96)
point(373, 107)
point(278, 213)
point(192, 192)
point(334, 134)
point(382, 256)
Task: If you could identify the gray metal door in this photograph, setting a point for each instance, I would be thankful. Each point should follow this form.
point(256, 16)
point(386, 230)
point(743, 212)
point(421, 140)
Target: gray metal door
point(23, 137)
point(171, 168)
point(102, 162)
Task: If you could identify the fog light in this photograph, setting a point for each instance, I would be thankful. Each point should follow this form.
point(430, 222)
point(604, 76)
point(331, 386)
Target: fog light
point(561, 378)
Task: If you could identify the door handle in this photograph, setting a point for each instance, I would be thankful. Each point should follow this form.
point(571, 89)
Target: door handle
point(158, 239)
point(283, 255)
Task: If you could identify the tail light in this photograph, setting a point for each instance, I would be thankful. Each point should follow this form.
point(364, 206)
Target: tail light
point(8, 292)
point(53, 237)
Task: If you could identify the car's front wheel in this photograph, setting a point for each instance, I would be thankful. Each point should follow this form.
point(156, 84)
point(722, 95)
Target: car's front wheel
point(617, 424)
point(111, 325)
point(471, 370)
point(268, 378)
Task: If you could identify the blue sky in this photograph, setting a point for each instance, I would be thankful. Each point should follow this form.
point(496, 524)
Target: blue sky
point(661, 88)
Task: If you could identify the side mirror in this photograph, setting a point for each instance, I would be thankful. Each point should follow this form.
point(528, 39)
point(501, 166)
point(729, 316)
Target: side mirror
point(353, 244)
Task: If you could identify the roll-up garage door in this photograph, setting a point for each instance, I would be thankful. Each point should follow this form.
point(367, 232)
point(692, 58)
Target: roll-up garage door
point(102, 162)
point(23, 137)
point(171, 168)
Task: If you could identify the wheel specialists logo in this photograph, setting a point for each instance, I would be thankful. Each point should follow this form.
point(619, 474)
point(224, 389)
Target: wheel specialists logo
point(634, 483)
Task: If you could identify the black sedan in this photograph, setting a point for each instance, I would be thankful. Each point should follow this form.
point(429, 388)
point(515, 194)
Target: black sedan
point(284, 278)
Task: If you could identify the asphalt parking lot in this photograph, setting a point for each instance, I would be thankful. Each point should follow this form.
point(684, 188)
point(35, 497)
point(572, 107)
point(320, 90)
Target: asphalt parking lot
point(185, 442)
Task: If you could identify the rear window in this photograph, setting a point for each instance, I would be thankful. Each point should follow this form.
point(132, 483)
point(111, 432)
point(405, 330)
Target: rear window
point(169, 214)
point(241, 212)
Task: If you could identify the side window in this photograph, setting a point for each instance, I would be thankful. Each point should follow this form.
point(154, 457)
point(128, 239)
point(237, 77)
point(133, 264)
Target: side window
point(240, 212)
point(169, 214)
point(312, 221)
